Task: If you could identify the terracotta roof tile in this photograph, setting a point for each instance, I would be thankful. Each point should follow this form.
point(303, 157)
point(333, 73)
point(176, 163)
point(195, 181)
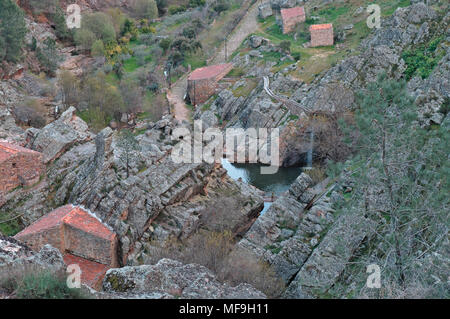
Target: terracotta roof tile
point(73, 216)
point(209, 71)
point(84, 221)
point(92, 273)
point(292, 12)
point(321, 26)
point(8, 150)
point(50, 220)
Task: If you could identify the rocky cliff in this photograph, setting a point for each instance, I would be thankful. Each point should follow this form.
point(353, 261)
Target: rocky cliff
point(334, 90)
point(157, 201)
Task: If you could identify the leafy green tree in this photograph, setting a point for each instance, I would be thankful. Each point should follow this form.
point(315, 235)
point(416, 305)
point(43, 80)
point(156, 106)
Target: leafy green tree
point(84, 38)
point(100, 25)
point(145, 9)
point(162, 6)
point(48, 56)
point(12, 31)
point(117, 18)
point(61, 30)
point(98, 49)
point(286, 46)
point(165, 44)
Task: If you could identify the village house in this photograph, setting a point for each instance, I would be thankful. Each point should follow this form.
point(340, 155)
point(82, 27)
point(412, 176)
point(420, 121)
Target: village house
point(81, 238)
point(321, 34)
point(291, 17)
point(19, 166)
point(203, 82)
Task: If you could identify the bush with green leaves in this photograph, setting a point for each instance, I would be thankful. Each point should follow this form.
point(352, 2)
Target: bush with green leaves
point(41, 285)
point(98, 48)
point(196, 3)
point(85, 39)
point(174, 9)
point(48, 56)
point(221, 5)
point(422, 60)
point(12, 31)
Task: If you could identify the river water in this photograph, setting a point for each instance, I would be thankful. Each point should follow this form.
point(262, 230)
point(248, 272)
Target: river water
point(276, 183)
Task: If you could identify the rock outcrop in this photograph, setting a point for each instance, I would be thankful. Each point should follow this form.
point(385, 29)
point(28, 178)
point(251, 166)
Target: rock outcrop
point(16, 258)
point(57, 137)
point(172, 279)
point(156, 200)
point(335, 89)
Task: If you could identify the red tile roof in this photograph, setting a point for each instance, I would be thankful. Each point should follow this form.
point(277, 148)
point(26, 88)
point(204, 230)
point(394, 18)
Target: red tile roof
point(292, 12)
point(209, 71)
point(321, 26)
point(50, 220)
point(8, 150)
point(84, 221)
point(91, 272)
point(73, 216)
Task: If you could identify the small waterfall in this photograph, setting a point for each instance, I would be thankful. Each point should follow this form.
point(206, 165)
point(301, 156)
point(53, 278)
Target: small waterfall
point(310, 152)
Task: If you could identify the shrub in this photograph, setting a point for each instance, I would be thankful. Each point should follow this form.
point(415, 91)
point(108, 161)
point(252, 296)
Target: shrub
point(100, 25)
point(165, 44)
point(221, 5)
point(147, 9)
point(317, 174)
point(46, 285)
point(196, 3)
point(286, 46)
point(98, 49)
point(173, 9)
point(84, 38)
point(214, 251)
point(48, 56)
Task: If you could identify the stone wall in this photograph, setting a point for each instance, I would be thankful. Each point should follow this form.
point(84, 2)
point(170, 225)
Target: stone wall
point(322, 37)
point(89, 246)
point(20, 169)
point(51, 236)
point(290, 23)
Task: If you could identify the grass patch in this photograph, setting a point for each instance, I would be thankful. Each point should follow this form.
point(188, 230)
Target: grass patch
point(130, 65)
point(195, 61)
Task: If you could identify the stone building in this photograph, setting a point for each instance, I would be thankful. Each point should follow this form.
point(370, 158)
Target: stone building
point(80, 236)
point(321, 34)
point(203, 82)
point(19, 166)
point(291, 17)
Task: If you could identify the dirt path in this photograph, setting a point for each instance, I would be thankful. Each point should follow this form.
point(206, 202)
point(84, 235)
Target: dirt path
point(175, 96)
point(247, 26)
